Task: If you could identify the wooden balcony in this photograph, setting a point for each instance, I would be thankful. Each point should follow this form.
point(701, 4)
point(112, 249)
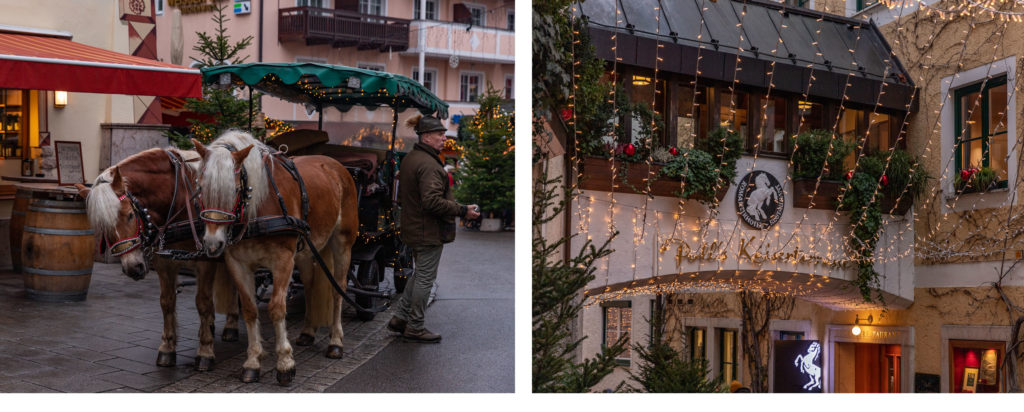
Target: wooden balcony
point(342, 28)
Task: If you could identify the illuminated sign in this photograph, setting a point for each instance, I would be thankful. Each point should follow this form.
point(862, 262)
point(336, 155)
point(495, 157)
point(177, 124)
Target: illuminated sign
point(798, 366)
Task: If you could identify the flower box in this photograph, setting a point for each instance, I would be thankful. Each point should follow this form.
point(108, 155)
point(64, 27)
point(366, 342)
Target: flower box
point(828, 195)
point(597, 175)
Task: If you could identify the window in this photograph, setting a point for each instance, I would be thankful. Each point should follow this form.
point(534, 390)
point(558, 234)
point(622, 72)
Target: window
point(377, 67)
point(617, 323)
point(812, 116)
point(374, 7)
point(727, 354)
point(790, 335)
point(431, 9)
point(980, 127)
point(469, 86)
point(692, 117)
point(698, 343)
point(158, 6)
point(774, 130)
point(429, 81)
point(13, 122)
point(510, 20)
point(643, 89)
point(798, 3)
point(477, 14)
point(733, 109)
point(509, 87)
point(863, 4)
point(983, 359)
point(310, 3)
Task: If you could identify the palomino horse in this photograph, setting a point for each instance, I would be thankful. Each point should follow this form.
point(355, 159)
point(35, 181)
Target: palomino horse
point(236, 188)
point(157, 182)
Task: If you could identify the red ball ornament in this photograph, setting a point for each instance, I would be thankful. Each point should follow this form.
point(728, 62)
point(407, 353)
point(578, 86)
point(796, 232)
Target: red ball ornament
point(849, 175)
point(566, 114)
point(885, 180)
point(630, 149)
point(673, 151)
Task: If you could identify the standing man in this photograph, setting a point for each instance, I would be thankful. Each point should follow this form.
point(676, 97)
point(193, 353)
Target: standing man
point(428, 222)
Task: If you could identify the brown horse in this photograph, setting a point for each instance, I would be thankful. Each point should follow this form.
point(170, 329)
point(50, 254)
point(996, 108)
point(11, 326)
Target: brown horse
point(333, 221)
point(158, 182)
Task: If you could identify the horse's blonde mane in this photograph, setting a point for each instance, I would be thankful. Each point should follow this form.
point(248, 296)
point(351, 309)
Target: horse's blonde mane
point(218, 179)
point(103, 204)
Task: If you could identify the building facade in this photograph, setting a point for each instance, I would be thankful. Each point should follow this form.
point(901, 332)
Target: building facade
point(770, 72)
point(467, 47)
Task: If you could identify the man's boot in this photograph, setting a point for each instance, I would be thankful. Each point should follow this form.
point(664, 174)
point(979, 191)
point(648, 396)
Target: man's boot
point(396, 324)
point(421, 336)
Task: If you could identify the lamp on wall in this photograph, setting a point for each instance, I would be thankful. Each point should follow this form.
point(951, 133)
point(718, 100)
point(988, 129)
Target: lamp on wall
point(856, 323)
point(60, 99)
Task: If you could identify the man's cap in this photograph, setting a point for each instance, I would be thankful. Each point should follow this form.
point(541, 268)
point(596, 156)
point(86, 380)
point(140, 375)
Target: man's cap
point(426, 124)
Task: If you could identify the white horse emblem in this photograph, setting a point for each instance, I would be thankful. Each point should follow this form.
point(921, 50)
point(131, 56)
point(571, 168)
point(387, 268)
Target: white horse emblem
point(806, 364)
point(761, 197)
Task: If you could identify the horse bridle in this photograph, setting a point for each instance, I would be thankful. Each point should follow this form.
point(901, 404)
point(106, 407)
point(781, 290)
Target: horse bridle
point(236, 217)
point(145, 231)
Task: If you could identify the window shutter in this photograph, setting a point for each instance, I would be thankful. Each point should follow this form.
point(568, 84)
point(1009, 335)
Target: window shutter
point(349, 5)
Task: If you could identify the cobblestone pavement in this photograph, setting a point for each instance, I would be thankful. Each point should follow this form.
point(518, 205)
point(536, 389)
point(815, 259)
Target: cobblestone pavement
point(108, 343)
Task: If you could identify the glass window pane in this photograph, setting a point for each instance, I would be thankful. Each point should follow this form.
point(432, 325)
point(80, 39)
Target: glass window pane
point(773, 131)
point(849, 130)
point(997, 155)
point(733, 112)
point(997, 109)
point(971, 127)
point(812, 116)
point(971, 154)
point(878, 133)
point(692, 115)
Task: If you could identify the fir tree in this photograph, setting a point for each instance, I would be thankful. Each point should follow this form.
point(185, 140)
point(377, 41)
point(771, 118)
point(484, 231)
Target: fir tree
point(219, 109)
point(662, 369)
point(487, 177)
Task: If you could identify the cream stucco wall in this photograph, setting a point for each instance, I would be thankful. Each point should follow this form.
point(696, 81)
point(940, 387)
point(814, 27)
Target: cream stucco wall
point(92, 22)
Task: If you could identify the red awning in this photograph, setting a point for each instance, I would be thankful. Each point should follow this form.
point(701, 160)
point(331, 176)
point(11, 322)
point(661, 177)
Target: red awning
point(51, 63)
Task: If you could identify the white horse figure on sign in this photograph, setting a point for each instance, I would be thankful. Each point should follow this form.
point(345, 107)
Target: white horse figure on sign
point(761, 197)
point(806, 364)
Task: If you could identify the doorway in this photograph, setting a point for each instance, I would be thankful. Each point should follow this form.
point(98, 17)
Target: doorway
point(867, 367)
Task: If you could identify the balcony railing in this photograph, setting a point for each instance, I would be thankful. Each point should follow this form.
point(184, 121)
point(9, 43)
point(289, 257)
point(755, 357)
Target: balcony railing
point(342, 28)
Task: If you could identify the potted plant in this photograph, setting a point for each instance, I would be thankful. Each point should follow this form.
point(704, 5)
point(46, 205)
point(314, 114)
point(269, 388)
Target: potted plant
point(818, 154)
point(975, 180)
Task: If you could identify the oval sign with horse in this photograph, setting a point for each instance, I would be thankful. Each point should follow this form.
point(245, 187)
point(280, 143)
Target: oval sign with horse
point(760, 199)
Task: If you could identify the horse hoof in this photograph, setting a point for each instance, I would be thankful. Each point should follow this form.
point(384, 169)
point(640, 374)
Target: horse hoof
point(229, 335)
point(204, 364)
point(285, 378)
point(304, 340)
point(166, 359)
point(250, 375)
point(335, 352)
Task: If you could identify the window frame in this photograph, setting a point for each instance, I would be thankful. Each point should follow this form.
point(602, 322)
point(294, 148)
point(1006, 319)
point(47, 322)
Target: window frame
point(380, 67)
point(158, 7)
point(428, 71)
point(324, 4)
point(483, 14)
point(510, 93)
point(510, 13)
point(480, 86)
point(383, 7)
point(721, 353)
point(690, 342)
point(958, 129)
point(617, 304)
point(416, 5)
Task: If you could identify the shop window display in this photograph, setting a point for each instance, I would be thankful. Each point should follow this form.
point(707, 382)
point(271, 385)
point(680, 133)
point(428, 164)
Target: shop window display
point(13, 106)
point(975, 366)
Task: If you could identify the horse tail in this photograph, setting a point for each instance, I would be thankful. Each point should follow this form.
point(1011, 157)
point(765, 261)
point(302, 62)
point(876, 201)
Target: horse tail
point(225, 298)
point(319, 297)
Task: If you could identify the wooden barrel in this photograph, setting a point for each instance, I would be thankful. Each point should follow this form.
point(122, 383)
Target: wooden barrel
point(57, 250)
point(21, 200)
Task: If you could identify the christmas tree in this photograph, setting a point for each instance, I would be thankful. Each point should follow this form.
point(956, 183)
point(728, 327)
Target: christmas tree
point(487, 175)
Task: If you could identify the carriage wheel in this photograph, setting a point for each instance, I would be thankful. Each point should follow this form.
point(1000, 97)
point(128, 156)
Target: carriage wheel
point(369, 277)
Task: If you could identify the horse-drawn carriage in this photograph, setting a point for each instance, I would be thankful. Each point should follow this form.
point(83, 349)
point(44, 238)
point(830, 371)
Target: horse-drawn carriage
point(318, 86)
point(257, 208)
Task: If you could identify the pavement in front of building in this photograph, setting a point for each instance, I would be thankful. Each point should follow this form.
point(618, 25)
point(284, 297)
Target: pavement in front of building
point(108, 343)
point(474, 315)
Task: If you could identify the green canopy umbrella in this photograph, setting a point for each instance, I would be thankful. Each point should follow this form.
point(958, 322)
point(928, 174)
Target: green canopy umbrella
point(323, 85)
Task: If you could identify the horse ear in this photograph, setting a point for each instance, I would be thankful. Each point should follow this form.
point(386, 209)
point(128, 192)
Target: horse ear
point(240, 155)
point(83, 191)
point(117, 182)
point(200, 148)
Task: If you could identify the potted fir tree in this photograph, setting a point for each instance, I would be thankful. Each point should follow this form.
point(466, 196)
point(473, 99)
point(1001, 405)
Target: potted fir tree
point(487, 174)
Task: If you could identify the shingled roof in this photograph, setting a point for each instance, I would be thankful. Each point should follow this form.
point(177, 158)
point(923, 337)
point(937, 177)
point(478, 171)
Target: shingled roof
point(832, 48)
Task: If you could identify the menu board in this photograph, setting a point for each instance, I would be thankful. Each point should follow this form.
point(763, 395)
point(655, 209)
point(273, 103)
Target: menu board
point(69, 163)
